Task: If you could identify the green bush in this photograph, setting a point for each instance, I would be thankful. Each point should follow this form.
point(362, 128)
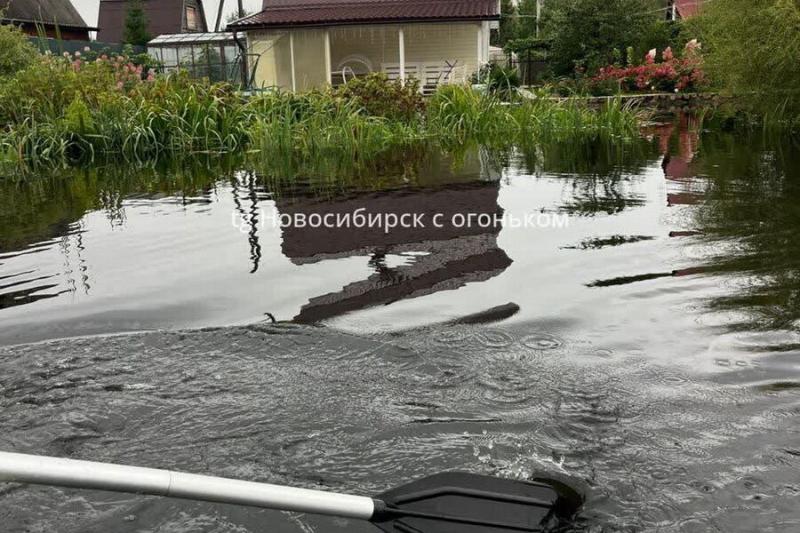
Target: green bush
point(586, 33)
point(381, 97)
point(16, 51)
point(531, 48)
point(752, 50)
point(498, 79)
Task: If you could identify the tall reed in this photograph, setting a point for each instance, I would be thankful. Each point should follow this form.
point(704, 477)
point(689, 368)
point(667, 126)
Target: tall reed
point(59, 112)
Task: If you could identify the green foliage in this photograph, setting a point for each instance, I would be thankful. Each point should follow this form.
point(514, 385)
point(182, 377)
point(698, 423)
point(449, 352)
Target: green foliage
point(498, 79)
point(235, 15)
point(752, 50)
point(381, 97)
point(533, 47)
point(460, 115)
point(63, 111)
point(663, 34)
point(527, 21)
point(509, 24)
point(586, 33)
point(16, 51)
point(286, 130)
point(78, 118)
point(136, 24)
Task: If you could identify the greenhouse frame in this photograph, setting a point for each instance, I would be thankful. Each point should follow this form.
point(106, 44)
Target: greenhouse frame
point(215, 56)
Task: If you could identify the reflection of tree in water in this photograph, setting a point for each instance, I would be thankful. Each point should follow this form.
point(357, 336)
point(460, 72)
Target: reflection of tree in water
point(249, 216)
point(597, 175)
point(592, 195)
point(46, 206)
point(753, 207)
point(48, 210)
point(386, 274)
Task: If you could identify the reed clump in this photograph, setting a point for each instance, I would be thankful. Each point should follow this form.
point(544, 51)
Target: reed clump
point(64, 110)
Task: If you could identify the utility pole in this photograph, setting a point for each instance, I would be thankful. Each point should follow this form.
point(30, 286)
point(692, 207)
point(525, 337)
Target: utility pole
point(538, 15)
point(219, 15)
point(222, 8)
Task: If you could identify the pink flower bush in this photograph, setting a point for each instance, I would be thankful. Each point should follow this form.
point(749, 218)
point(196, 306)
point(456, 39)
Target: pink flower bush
point(671, 74)
point(118, 69)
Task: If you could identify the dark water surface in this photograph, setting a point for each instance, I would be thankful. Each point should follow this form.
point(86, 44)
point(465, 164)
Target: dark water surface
point(646, 352)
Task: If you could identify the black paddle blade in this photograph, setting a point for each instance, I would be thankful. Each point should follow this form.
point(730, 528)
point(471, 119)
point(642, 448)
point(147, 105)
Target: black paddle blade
point(469, 503)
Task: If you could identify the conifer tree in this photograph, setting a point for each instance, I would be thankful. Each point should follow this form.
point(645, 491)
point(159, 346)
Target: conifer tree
point(136, 24)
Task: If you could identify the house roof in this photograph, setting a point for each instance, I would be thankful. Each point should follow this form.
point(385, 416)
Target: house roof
point(163, 17)
point(60, 12)
point(688, 8)
point(279, 13)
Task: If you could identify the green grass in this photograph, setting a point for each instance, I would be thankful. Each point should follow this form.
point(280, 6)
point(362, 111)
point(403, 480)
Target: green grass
point(80, 117)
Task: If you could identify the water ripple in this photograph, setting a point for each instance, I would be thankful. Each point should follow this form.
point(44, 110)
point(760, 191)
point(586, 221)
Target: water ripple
point(312, 407)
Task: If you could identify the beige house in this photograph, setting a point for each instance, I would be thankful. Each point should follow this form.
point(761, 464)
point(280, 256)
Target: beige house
point(303, 44)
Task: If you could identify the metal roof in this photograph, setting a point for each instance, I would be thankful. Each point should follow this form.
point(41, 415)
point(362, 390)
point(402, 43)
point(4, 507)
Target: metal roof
point(279, 13)
point(184, 38)
point(56, 12)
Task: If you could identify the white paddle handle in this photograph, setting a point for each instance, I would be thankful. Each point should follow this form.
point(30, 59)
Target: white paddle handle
point(42, 470)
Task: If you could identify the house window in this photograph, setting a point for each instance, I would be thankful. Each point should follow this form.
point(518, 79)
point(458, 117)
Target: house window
point(191, 18)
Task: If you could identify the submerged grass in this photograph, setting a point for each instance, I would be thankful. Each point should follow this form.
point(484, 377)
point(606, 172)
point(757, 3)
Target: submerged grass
point(84, 116)
point(457, 114)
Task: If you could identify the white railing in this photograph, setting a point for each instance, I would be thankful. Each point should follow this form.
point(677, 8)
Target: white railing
point(431, 74)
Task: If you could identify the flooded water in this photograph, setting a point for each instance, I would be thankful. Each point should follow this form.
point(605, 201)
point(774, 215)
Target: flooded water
point(628, 323)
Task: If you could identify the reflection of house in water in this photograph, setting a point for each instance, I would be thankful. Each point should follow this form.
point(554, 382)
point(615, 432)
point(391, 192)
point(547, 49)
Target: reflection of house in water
point(431, 258)
point(678, 166)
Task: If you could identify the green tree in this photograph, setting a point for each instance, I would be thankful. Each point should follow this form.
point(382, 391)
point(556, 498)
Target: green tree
point(508, 24)
point(527, 18)
point(16, 51)
point(589, 34)
point(752, 49)
point(234, 15)
point(136, 24)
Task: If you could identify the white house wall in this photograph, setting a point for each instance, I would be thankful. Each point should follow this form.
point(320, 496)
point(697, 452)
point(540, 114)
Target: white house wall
point(464, 45)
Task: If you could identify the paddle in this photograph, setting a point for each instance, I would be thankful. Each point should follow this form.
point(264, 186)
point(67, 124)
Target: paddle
point(444, 503)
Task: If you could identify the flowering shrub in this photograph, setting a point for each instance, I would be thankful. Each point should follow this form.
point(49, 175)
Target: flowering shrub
point(126, 70)
point(46, 87)
point(71, 107)
point(670, 74)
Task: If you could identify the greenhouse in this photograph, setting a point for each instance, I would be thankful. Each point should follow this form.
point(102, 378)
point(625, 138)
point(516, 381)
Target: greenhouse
point(204, 55)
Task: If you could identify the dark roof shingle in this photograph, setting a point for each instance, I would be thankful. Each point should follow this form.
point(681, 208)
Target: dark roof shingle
point(278, 13)
point(60, 12)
